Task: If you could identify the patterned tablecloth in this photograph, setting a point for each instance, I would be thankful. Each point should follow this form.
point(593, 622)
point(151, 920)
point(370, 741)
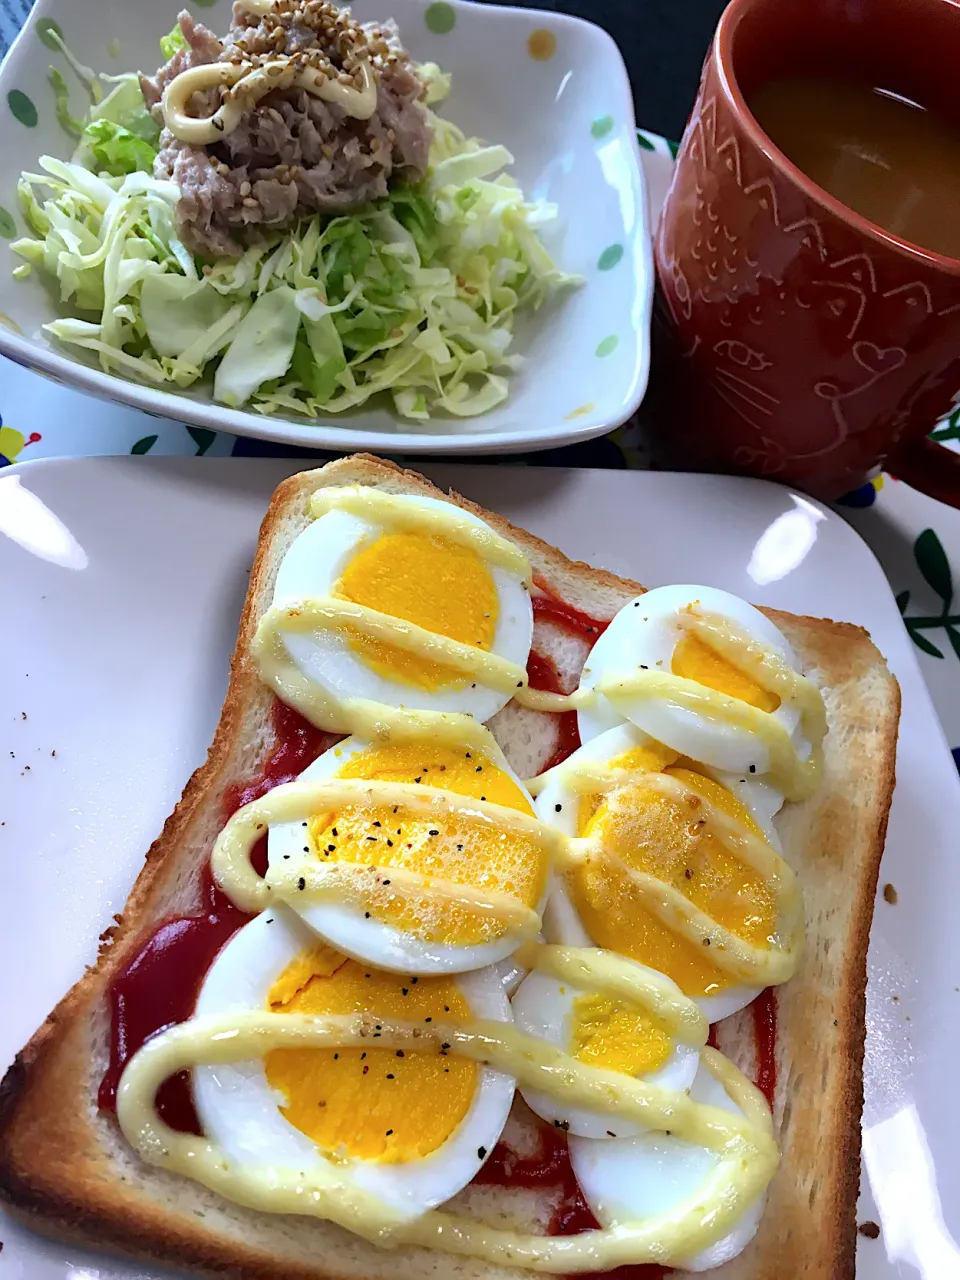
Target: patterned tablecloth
point(916, 540)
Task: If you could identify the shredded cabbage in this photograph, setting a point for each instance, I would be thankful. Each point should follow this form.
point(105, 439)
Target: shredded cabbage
point(413, 296)
point(172, 43)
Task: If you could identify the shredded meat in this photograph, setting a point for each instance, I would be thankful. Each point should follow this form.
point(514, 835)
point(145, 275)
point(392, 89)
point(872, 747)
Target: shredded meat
point(292, 153)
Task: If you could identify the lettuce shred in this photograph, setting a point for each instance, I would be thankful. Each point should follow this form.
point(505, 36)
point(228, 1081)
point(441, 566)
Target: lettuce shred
point(172, 43)
point(413, 297)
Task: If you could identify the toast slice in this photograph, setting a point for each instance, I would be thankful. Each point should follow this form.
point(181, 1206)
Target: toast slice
point(66, 1170)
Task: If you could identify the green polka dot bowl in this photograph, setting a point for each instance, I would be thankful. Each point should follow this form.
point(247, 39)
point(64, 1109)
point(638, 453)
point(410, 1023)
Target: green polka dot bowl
point(551, 88)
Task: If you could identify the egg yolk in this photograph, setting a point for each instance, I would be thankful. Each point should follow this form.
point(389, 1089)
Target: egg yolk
point(656, 834)
point(620, 1037)
point(696, 661)
point(370, 1103)
point(446, 847)
point(432, 582)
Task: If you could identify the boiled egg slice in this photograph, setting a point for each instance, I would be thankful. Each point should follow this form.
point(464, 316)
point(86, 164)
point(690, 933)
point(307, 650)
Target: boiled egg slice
point(418, 577)
point(649, 634)
point(634, 1179)
point(599, 905)
point(409, 922)
point(599, 1031)
point(410, 1128)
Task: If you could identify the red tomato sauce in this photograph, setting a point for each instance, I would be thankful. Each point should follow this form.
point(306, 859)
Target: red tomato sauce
point(160, 984)
point(542, 672)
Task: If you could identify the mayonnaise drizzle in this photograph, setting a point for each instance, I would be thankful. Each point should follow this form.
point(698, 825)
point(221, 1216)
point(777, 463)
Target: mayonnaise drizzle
point(796, 777)
point(307, 879)
point(746, 1150)
point(396, 512)
point(330, 613)
point(247, 83)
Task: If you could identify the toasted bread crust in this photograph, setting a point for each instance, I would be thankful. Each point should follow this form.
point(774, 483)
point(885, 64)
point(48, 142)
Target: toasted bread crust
point(66, 1171)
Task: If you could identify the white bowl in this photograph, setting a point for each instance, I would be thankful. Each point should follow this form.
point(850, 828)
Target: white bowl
point(567, 118)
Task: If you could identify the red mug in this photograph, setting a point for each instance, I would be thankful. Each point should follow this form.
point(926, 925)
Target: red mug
point(793, 339)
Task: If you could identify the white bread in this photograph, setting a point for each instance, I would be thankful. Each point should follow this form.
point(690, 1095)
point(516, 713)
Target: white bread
point(66, 1170)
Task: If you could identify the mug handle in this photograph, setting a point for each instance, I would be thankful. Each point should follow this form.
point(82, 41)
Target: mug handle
point(931, 468)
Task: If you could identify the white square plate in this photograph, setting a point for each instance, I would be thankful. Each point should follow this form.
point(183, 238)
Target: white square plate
point(568, 120)
point(123, 580)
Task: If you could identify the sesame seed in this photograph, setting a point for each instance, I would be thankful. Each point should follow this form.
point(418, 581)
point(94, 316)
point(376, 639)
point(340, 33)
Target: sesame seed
point(366, 915)
point(389, 1131)
point(399, 1053)
point(391, 1076)
point(301, 883)
point(557, 808)
point(481, 1152)
point(365, 1069)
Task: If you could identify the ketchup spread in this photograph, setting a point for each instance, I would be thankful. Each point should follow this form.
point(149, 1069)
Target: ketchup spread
point(548, 1167)
point(552, 609)
point(160, 984)
point(764, 1010)
point(542, 672)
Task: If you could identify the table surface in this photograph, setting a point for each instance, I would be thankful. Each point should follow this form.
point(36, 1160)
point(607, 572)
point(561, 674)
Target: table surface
point(916, 540)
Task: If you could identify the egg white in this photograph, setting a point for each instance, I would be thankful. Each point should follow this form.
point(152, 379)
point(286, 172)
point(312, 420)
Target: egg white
point(313, 566)
point(557, 805)
point(633, 1179)
point(644, 634)
point(241, 1112)
point(345, 927)
point(543, 1007)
